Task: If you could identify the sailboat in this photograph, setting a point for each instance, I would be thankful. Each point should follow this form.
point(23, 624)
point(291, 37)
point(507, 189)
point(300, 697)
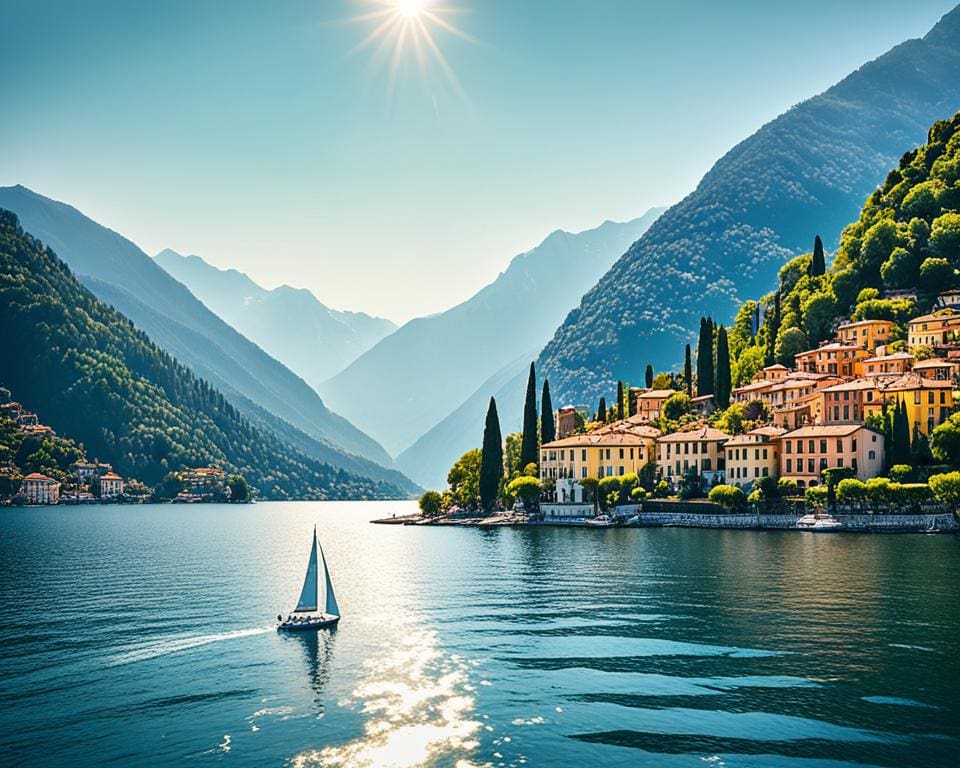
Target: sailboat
point(317, 607)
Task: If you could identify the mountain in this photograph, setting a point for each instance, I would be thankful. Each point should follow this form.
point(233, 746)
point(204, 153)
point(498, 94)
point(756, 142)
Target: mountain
point(429, 459)
point(415, 377)
point(266, 392)
point(101, 381)
point(290, 324)
point(805, 173)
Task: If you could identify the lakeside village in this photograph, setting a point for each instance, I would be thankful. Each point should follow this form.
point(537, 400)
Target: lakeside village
point(37, 467)
point(860, 427)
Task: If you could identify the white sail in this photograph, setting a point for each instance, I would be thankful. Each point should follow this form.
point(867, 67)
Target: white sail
point(331, 608)
point(308, 595)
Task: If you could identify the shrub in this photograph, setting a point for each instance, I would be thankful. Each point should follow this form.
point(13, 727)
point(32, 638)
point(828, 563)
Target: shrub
point(527, 489)
point(639, 494)
point(900, 472)
point(676, 406)
point(816, 496)
point(430, 504)
point(661, 490)
point(787, 487)
point(728, 496)
point(946, 488)
point(609, 488)
point(851, 491)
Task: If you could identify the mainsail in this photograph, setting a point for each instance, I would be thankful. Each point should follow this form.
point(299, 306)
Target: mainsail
point(308, 595)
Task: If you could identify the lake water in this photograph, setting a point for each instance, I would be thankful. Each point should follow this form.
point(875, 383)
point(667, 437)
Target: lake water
point(145, 636)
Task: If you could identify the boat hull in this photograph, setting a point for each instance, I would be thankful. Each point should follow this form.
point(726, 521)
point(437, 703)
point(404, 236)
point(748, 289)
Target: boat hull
point(308, 626)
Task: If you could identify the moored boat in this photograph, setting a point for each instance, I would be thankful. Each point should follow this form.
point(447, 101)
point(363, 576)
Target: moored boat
point(819, 523)
point(317, 607)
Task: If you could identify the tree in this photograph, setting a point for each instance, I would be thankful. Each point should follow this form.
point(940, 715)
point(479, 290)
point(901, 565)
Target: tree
point(676, 405)
point(548, 428)
point(705, 358)
point(900, 449)
point(491, 459)
point(648, 376)
point(663, 381)
point(937, 274)
point(851, 491)
point(721, 392)
point(787, 488)
point(590, 486)
point(430, 504)
point(620, 401)
point(945, 236)
point(609, 490)
point(818, 265)
point(945, 441)
point(730, 497)
point(946, 488)
point(688, 371)
point(690, 485)
point(529, 449)
point(791, 343)
point(512, 452)
point(819, 313)
point(239, 490)
point(602, 409)
point(464, 479)
point(527, 489)
point(773, 331)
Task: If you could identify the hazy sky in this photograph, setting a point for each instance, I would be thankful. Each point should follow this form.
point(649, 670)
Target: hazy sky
point(254, 135)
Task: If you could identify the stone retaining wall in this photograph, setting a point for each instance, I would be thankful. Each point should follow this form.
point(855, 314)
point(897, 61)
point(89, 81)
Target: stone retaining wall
point(875, 523)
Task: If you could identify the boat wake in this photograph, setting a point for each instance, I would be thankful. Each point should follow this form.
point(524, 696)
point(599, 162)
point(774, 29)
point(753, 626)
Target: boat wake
point(179, 644)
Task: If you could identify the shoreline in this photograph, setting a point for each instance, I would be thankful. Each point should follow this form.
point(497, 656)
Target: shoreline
point(934, 523)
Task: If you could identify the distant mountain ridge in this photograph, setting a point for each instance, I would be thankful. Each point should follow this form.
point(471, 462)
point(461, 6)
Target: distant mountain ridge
point(805, 173)
point(417, 376)
point(101, 381)
point(270, 395)
point(290, 324)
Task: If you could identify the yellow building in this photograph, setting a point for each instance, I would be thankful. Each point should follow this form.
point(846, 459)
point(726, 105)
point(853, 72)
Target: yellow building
point(752, 455)
point(938, 329)
point(929, 402)
point(700, 448)
point(865, 333)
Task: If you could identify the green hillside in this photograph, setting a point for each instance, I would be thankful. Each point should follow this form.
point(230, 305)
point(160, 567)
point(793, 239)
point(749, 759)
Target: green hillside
point(99, 380)
point(892, 262)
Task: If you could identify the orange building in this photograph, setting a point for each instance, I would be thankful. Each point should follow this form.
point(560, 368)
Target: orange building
point(650, 402)
point(865, 333)
point(894, 364)
point(835, 359)
point(846, 402)
point(807, 451)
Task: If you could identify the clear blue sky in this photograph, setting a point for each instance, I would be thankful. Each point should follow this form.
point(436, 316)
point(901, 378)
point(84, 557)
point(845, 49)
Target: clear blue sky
point(248, 133)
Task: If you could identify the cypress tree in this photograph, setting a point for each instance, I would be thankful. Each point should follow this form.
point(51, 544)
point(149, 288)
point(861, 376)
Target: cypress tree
point(722, 390)
point(688, 371)
point(602, 409)
point(491, 459)
point(648, 376)
point(548, 428)
point(705, 359)
point(528, 441)
point(901, 435)
point(818, 264)
point(631, 404)
point(620, 401)
point(773, 331)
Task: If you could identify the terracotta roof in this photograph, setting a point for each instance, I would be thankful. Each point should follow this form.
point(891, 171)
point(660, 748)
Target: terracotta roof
point(776, 367)
point(657, 393)
point(863, 322)
point(38, 476)
point(852, 386)
point(911, 381)
point(755, 436)
point(754, 385)
point(933, 362)
point(698, 434)
point(940, 314)
point(594, 439)
point(894, 356)
point(829, 430)
point(110, 476)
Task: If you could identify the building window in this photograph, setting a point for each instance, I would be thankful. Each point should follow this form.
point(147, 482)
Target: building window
point(789, 466)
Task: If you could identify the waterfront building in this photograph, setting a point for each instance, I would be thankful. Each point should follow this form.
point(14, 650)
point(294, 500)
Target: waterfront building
point(834, 358)
point(938, 329)
point(88, 472)
point(868, 334)
point(40, 489)
point(111, 485)
point(807, 451)
point(753, 455)
point(700, 448)
point(204, 481)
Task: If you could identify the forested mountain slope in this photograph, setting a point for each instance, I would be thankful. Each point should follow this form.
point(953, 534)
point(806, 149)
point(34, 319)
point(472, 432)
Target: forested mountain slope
point(805, 173)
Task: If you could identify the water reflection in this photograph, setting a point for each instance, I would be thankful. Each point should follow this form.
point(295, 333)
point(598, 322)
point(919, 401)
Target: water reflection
point(418, 708)
point(317, 649)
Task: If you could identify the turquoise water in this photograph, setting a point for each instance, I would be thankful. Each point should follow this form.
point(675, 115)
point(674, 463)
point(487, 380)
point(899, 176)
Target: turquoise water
point(144, 636)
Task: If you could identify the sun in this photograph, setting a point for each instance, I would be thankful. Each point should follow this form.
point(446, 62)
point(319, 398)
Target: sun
point(405, 29)
point(410, 9)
